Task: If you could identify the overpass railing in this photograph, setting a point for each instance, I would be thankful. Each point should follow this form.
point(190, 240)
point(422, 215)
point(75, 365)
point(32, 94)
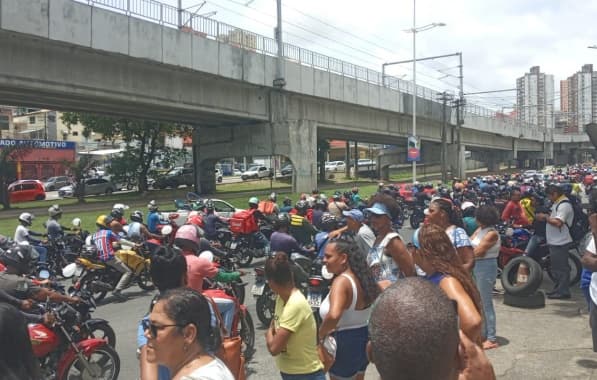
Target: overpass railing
point(171, 16)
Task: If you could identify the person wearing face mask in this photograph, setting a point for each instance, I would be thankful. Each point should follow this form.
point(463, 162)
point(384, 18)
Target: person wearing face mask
point(388, 257)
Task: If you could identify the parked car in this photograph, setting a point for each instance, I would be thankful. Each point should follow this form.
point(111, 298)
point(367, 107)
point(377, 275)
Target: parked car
point(55, 183)
point(335, 166)
point(26, 190)
point(219, 177)
point(365, 162)
point(286, 170)
point(222, 208)
point(256, 172)
point(93, 186)
point(174, 178)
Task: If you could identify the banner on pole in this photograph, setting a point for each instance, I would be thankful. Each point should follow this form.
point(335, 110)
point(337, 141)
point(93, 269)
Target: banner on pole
point(413, 150)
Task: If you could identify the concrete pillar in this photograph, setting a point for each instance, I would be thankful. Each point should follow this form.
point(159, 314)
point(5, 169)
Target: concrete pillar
point(493, 162)
point(454, 158)
point(302, 135)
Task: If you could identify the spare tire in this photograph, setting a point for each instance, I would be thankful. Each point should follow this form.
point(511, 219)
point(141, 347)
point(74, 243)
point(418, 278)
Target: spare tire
point(534, 300)
point(510, 273)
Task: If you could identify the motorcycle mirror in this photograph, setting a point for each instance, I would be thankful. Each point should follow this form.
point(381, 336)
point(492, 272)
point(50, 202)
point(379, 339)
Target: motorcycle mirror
point(166, 230)
point(69, 270)
point(325, 274)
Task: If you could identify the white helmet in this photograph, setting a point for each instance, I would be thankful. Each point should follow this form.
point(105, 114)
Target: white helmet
point(208, 255)
point(466, 205)
point(26, 218)
point(76, 222)
point(54, 211)
point(152, 206)
point(121, 207)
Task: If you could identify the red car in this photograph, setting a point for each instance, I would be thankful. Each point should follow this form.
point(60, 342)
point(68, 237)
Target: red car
point(26, 190)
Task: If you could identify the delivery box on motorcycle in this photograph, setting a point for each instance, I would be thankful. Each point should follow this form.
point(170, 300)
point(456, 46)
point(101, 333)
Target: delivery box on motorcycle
point(243, 222)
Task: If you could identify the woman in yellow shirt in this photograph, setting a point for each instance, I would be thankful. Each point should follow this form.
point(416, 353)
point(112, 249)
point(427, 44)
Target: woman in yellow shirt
point(292, 335)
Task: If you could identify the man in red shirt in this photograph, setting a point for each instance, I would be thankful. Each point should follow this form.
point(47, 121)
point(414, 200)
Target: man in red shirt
point(514, 212)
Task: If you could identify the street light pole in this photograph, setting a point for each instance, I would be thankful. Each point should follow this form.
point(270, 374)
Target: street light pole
point(414, 83)
point(279, 81)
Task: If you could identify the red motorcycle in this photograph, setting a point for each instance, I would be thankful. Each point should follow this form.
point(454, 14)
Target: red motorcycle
point(65, 357)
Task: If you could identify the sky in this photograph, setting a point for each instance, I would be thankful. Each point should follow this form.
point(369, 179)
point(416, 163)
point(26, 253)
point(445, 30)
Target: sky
point(499, 40)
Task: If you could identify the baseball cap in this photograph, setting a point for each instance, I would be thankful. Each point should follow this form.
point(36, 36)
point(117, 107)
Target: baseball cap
point(354, 214)
point(378, 209)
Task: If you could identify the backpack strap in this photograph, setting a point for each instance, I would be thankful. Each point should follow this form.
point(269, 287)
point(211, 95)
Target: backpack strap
point(571, 205)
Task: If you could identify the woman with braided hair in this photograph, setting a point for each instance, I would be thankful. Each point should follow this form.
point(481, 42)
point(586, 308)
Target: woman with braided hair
point(345, 311)
point(434, 253)
point(443, 214)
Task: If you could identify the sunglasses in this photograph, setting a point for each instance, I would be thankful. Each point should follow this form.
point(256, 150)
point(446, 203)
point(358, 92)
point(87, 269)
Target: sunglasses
point(153, 329)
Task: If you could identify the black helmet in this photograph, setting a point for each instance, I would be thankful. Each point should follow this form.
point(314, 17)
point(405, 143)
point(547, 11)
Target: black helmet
point(209, 205)
point(337, 196)
point(137, 216)
point(321, 204)
point(281, 220)
point(329, 222)
point(287, 201)
point(301, 206)
point(20, 257)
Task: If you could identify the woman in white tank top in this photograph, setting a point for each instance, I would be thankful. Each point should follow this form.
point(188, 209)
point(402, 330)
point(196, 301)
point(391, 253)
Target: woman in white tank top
point(345, 311)
point(486, 247)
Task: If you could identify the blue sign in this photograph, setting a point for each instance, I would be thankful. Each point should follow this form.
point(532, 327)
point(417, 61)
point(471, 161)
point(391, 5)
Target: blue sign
point(38, 144)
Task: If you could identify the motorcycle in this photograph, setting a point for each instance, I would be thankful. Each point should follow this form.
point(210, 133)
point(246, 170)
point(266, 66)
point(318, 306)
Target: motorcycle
point(319, 287)
point(265, 297)
point(62, 356)
point(514, 242)
point(99, 278)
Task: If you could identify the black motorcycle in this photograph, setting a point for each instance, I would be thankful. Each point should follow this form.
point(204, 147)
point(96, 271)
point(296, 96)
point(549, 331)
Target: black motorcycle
point(265, 297)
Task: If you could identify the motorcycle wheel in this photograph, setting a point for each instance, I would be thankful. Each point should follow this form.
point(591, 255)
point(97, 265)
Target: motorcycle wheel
point(239, 291)
point(87, 284)
point(144, 280)
point(245, 258)
point(102, 330)
point(416, 219)
point(575, 269)
point(103, 361)
point(265, 306)
point(247, 334)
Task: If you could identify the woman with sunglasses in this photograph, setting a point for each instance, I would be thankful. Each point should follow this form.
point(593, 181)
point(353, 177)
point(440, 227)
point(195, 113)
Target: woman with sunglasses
point(292, 335)
point(388, 256)
point(180, 336)
point(442, 213)
point(434, 253)
point(345, 311)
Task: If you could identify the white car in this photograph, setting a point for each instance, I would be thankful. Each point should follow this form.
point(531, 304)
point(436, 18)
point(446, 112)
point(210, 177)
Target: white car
point(256, 172)
point(530, 173)
point(335, 166)
point(222, 208)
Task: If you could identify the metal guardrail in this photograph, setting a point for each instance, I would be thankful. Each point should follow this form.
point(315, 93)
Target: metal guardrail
point(168, 15)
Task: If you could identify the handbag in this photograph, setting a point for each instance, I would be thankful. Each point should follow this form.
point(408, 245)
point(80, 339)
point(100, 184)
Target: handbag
point(327, 352)
point(230, 351)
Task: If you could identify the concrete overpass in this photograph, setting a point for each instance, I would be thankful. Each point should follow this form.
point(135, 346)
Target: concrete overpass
point(136, 62)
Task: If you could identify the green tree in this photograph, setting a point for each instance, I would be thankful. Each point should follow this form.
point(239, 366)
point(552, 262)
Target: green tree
point(79, 170)
point(323, 146)
point(144, 140)
point(9, 156)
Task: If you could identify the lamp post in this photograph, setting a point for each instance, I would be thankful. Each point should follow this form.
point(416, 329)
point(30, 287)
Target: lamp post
point(414, 30)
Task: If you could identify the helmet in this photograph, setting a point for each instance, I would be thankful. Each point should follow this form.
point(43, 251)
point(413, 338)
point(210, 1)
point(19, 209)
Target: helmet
point(152, 206)
point(195, 218)
point(321, 204)
point(337, 196)
point(103, 221)
point(273, 197)
point(253, 201)
point(76, 222)
point(209, 205)
point(137, 216)
point(120, 207)
point(281, 220)
point(117, 214)
point(287, 201)
point(329, 222)
point(208, 255)
point(188, 236)
point(54, 211)
point(301, 206)
point(20, 257)
point(26, 218)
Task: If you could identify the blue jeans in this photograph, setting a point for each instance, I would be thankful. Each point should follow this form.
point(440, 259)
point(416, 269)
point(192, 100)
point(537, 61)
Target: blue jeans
point(319, 375)
point(43, 254)
point(485, 272)
point(533, 243)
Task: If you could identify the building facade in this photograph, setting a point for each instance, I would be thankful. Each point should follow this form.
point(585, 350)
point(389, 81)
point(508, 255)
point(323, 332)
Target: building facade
point(581, 95)
point(535, 98)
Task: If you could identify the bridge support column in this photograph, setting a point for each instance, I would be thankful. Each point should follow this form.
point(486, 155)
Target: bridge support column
point(456, 161)
point(493, 162)
point(302, 137)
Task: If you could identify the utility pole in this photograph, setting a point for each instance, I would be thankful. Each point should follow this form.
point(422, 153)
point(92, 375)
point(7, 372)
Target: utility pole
point(459, 120)
point(179, 14)
point(445, 97)
point(280, 80)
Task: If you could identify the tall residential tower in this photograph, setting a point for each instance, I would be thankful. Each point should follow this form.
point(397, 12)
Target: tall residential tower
point(535, 98)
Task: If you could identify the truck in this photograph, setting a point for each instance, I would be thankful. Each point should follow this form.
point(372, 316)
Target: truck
point(256, 172)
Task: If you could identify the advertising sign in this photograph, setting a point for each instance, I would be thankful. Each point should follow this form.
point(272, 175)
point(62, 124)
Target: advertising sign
point(413, 149)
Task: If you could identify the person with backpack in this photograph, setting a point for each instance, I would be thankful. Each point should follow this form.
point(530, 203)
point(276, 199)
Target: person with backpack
point(558, 239)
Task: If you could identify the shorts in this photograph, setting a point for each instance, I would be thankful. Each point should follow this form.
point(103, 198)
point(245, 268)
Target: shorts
point(351, 354)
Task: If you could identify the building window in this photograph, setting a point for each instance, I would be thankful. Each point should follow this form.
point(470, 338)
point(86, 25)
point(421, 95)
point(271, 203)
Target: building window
point(51, 118)
point(75, 133)
point(31, 119)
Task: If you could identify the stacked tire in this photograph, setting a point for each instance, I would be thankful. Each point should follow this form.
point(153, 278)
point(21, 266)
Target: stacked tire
point(524, 294)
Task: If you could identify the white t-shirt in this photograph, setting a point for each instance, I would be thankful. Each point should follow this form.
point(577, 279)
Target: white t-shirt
point(560, 235)
point(21, 234)
point(593, 287)
point(215, 370)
